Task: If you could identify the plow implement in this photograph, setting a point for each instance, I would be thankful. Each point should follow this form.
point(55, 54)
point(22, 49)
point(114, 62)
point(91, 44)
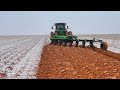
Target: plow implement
point(62, 36)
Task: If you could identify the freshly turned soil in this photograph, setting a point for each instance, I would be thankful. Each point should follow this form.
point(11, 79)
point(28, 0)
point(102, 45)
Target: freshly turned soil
point(60, 62)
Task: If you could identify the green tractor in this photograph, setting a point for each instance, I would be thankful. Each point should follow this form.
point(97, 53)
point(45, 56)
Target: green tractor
point(62, 36)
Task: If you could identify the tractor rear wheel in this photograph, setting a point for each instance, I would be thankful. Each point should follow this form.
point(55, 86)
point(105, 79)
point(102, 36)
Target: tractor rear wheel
point(56, 32)
point(66, 33)
point(52, 34)
point(70, 33)
point(104, 46)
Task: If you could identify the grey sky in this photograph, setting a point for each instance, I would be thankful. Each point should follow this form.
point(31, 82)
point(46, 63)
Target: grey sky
point(40, 22)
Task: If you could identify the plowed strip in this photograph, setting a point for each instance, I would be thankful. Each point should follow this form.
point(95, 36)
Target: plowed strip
point(59, 62)
point(108, 53)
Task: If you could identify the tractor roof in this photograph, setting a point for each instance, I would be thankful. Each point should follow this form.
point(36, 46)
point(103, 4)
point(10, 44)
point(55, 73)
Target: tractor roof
point(60, 23)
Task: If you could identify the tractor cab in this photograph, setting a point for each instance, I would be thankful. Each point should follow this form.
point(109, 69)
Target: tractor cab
point(60, 26)
point(60, 29)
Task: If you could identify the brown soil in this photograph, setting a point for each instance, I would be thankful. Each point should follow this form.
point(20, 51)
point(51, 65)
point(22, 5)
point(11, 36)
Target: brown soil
point(2, 75)
point(60, 62)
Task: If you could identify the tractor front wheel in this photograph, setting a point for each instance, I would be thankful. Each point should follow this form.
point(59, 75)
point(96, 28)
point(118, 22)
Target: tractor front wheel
point(55, 42)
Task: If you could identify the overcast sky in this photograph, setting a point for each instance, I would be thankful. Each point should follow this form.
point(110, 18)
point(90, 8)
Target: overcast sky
point(40, 22)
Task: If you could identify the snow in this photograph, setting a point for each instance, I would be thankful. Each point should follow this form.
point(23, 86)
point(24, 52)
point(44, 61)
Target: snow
point(20, 58)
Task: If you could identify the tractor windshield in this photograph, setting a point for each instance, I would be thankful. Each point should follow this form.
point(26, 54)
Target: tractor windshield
point(60, 27)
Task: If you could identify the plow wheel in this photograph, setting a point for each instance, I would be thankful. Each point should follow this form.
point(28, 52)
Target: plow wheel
point(71, 43)
point(104, 46)
point(77, 43)
point(83, 44)
point(91, 44)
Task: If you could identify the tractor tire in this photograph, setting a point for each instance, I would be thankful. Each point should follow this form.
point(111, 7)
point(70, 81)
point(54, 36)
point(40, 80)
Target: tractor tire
point(70, 33)
point(52, 34)
point(66, 33)
point(56, 32)
point(104, 46)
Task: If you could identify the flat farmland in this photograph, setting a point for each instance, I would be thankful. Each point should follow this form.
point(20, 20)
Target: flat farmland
point(31, 57)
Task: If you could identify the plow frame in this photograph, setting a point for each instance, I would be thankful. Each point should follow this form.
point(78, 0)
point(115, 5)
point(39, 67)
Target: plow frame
point(71, 39)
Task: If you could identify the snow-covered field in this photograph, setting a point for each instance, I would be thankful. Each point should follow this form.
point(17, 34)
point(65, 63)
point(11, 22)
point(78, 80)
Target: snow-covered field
point(20, 55)
point(113, 40)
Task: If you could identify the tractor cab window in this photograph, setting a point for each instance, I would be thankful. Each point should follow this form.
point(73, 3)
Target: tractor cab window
point(60, 27)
